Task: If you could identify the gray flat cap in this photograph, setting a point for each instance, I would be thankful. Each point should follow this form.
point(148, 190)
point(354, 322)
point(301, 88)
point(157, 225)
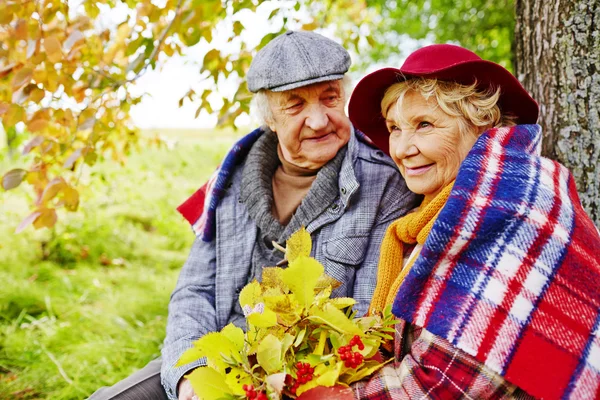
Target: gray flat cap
point(296, 59)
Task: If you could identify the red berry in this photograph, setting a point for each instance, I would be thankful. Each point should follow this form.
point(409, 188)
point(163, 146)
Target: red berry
point(311, 370)
point(299, 365)
point(261, 396)
point(361, 346)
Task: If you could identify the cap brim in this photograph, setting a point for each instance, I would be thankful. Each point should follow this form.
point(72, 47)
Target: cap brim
point(295, 85)
point(364, 108)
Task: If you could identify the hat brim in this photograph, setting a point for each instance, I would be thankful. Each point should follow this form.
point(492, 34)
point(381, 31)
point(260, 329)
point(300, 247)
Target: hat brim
point(295, 85)
point(364, 108)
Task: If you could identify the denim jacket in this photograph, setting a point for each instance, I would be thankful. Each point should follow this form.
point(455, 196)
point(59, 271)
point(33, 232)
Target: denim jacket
point(346, 240)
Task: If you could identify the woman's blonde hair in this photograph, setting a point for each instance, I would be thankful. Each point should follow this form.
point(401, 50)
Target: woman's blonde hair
point(476, 109)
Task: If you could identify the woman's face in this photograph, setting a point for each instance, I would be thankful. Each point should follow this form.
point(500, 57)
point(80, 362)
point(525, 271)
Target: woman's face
point(426, 143)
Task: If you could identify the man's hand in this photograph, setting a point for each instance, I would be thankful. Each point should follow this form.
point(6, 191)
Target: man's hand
point(185, 390)
point(329, 393)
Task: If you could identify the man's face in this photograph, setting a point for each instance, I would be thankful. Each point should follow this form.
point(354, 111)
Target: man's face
point(310, 123)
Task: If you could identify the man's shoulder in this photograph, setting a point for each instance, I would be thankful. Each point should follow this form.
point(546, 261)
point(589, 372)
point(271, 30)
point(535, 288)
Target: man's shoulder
point(367, 153)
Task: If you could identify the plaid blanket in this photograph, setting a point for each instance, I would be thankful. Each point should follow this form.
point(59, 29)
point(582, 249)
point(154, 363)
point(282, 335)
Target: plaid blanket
point(428, 367)
point(510, 272)
point(200, 209)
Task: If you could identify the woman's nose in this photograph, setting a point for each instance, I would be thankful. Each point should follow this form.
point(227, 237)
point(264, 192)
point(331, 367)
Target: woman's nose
point(402, 146)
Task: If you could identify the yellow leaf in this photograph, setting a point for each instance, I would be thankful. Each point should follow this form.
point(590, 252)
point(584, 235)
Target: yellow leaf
point(235, 335)
point(367, 369)
point(52, 189)
point(37, 125)
point(53, 49)
point(37, 95)
point(47, 218)
point(250, 294)
point(71, 198)
point(4, 108)
point(330, 377)
point(266, 319)
point(21, 78)
point(190, 355)
point(208, 384)
point(299, 244)
point(212, 345)
point(335, 318)
point(301, 277)
point(21, 30)
point(14, 115)
point(343, 302)
point(272, 277)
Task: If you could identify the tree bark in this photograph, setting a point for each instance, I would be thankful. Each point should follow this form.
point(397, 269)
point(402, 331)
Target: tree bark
point(557, 48)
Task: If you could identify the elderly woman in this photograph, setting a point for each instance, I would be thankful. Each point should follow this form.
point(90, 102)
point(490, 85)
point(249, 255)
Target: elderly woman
point(495, 277)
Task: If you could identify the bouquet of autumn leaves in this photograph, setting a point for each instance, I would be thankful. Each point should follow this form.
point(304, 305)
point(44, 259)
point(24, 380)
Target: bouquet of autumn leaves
point(297, 337)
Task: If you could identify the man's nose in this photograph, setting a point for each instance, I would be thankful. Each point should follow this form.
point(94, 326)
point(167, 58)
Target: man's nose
point(317, 118)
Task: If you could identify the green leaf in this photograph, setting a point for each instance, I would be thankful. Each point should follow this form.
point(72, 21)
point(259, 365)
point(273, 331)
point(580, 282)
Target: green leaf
point(269, 354)
point(208, 383)
point(301, 277)
point(286, 343)
point(332, 316)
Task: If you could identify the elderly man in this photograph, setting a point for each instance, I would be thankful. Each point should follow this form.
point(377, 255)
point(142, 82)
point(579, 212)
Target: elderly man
point(306, 166)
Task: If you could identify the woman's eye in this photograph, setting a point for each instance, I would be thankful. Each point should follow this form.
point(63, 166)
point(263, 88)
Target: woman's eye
point(424, 124)
point(393, 128)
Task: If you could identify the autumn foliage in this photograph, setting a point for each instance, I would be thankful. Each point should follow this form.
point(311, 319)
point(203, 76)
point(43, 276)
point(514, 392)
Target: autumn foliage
point(67, 67)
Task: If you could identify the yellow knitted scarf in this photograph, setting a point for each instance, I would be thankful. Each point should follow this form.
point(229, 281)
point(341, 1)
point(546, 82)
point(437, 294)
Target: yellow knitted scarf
point(410, 229)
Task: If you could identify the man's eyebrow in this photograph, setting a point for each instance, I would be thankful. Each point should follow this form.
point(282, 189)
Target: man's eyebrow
point(291, 97)
point(332, 88)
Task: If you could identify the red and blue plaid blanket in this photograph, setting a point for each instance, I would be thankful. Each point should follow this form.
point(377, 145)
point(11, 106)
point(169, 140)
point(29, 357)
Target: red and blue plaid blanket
point(510, 272)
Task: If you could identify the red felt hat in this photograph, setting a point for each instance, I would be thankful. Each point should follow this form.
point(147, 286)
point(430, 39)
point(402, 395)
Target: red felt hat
point(444, 62)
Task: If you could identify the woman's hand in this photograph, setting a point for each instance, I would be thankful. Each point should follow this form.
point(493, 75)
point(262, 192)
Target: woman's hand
point(185, 390)
point(329, 393)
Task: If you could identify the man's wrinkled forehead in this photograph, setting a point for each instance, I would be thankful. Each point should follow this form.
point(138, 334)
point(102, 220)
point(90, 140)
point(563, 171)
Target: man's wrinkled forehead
point(316, 89)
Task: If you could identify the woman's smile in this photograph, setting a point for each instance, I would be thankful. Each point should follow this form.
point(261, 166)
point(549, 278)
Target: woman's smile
point(415, 171)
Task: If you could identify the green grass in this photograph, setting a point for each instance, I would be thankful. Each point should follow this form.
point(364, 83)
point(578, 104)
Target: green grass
point(85, 304)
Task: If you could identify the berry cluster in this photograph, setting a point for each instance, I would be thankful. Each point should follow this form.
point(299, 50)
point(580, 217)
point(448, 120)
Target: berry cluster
point(253, 394)
point(305, 374)
point(352, 359)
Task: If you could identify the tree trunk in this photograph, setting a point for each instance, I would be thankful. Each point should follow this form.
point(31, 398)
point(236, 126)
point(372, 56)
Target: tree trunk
point(557, 48)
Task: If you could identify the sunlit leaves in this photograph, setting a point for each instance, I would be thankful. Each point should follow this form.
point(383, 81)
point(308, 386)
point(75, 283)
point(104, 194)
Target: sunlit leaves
point(208, 383)
point(304, 332)
point(299, 244)
point(269, 354)
point(22, 77)
point(53, 49)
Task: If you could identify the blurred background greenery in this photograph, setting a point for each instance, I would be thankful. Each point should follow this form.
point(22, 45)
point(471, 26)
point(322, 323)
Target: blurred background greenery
point(85, 304)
